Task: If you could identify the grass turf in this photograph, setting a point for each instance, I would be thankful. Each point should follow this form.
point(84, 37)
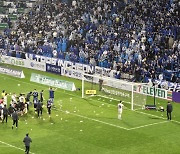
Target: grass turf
point(87, 126)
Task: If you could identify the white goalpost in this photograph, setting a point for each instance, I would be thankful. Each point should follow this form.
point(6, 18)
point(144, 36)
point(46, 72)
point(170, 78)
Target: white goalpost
point(113, 90)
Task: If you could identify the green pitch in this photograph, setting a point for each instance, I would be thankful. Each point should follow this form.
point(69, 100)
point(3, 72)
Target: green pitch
point(87, 126)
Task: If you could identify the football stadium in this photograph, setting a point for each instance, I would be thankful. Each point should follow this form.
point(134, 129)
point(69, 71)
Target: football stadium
point(89, 77)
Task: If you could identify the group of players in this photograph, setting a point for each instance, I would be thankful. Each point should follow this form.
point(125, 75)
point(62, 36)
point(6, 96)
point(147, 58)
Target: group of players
point(21, 103)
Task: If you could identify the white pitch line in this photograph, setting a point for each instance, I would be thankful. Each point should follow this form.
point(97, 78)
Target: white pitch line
point(147, 125)
point(78, 115)
point(14, 146)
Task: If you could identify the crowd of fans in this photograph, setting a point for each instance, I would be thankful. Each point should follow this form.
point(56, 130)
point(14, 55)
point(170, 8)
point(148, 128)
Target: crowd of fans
point(139, 37)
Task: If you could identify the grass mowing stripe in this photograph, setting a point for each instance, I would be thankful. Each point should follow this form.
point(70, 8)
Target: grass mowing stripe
point(14, 146)
point(78, 115)
point(147, 125)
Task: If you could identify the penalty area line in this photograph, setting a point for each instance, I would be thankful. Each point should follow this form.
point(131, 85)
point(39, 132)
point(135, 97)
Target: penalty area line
point(147, 125)
point(14, 146)
point(78, 115)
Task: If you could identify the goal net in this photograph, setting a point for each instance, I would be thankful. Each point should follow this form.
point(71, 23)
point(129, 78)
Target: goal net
point(113, 90)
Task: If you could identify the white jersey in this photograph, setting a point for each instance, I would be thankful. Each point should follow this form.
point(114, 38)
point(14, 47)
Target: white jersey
point(120, 107)
point(13, 97)
point(22, 99)
point(5, 100)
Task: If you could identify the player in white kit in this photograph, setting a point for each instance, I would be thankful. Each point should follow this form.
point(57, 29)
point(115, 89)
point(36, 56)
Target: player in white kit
point(120, 109)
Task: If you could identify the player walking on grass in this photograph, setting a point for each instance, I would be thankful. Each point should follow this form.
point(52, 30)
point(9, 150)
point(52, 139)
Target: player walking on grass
point(41, 96)
point(120, 109)
point(28, 96)
point(39, 108)
point(5, 114)
point(49, 103)
point(15, 119)
point(27, 140)
point(35, 97)
point(51, 94)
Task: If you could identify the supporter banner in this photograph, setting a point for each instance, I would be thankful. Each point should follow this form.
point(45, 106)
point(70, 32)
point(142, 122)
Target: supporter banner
point(24, 63)
point(45, 80)
point(168, 85)
point(160, 93)
point(116, 92)
point(72, 73)
point(13, 61)
point(176, 97)
point(12, 72)
point(104, 72)
point(35, 65)
point(60, 62)
point(108, 81)
point(53, 69)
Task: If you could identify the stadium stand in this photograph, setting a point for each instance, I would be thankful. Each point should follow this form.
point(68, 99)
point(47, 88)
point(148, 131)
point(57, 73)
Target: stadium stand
point(139, 39)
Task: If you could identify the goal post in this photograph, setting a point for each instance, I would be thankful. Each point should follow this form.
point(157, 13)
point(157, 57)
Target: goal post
point(112, 90)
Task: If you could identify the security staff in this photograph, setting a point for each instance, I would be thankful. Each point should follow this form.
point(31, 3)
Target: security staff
point(27, 140)
point(169, 110)
point(15, 119)
point(5, 114)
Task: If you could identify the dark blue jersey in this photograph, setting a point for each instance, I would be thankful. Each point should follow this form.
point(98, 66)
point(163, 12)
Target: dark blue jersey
point(41, 96)
point(35, 94)
point(51, 93)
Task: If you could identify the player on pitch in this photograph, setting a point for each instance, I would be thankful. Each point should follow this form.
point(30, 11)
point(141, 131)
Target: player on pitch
point(120, 109)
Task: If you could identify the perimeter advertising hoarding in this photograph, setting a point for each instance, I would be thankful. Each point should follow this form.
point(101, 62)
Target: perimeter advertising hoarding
point(49, 81)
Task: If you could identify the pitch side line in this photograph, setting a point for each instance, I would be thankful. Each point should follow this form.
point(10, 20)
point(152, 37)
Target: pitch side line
point(14, 146)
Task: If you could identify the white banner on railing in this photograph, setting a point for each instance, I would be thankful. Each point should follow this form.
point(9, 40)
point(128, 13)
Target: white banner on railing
point(12, 72)
point(72, 73)
point(24, 63)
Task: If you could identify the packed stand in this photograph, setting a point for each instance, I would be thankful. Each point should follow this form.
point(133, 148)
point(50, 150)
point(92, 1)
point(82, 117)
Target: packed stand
point(139, 38)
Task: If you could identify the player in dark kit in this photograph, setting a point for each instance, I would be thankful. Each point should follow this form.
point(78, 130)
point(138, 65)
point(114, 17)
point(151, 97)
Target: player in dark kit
point(51, 94)
point(10, 110)
point(49, 103)
point(35, 97)
point(100, 84)
point(28, 96)
point(5, 114)
point(39, 108)
point(169, 110)
point(41, 96)
point(15, 118)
